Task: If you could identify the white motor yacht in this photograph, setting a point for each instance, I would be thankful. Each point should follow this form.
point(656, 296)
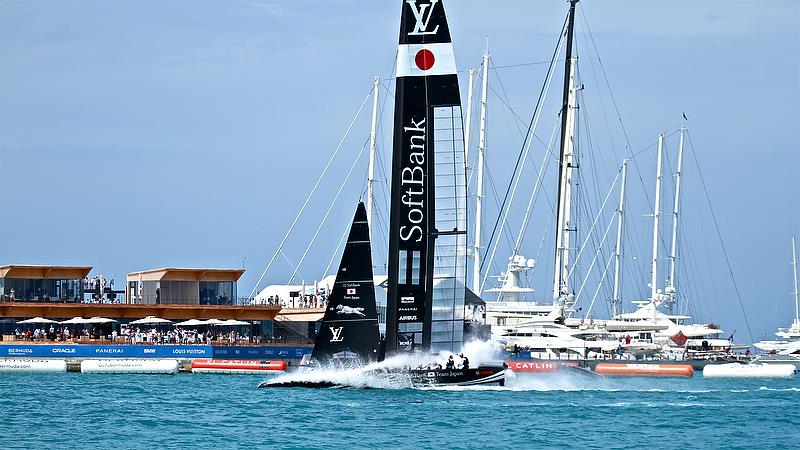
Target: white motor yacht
point(543, 337)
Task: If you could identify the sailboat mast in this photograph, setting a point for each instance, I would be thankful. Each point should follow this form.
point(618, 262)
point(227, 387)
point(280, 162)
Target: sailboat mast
point(560, 278)
point(673, 255)
point(796, 294)
point(427, 263)
point(656, 216)
point(468, 118)
point(372, 139)
point(616, 299)
point(476, 254)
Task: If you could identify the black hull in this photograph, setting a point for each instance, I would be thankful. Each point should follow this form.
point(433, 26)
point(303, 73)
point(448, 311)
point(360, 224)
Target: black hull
point(481, 375)
point(489, 374)
point(300, 384)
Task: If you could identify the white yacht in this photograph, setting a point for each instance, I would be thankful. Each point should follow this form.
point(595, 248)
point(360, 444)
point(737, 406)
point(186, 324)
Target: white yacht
point(556, 339)
point(508, 309)
point(790, 337)
point(663, 326)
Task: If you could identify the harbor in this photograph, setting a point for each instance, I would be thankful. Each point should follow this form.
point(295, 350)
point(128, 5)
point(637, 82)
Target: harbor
point(457, 224)
point(427, 305)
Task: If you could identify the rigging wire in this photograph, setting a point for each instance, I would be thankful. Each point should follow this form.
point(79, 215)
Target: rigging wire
point(719, 236)
point(594, 260)
point(336, 251)
point(523, 151)
point(597, 290)
point(591, 229)
point(538, 186)
point(328, 211)
point(310, 195)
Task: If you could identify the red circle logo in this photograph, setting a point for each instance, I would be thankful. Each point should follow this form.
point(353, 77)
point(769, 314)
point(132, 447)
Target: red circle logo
point(424, 59)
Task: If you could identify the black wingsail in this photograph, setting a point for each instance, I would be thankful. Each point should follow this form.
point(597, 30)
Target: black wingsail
point(349, 330)
point(427, 234)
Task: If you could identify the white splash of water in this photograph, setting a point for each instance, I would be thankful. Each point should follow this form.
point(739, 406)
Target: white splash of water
point(386, 374)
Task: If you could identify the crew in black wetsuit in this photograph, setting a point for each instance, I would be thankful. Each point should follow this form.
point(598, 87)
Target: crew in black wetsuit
point(464, 361)
point(450, 363)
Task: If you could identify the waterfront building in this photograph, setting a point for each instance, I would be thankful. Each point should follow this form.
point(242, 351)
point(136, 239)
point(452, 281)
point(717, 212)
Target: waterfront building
point(182, 286)
point(34, 283)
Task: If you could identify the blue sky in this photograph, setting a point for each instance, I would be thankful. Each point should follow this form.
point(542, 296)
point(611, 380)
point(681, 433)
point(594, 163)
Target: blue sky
point(145, 134)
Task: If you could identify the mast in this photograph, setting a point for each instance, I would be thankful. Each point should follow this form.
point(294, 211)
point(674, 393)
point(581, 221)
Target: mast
point(468, 118)
point(673, 254)
point(372, 139)
point(569, 104)
point(656, 216)
point(476, 253)
point(616, 299)
point(427, 217)
point(796, 294)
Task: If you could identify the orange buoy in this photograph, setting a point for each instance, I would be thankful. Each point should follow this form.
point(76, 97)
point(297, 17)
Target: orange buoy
point(645, 370)
point(236, 366)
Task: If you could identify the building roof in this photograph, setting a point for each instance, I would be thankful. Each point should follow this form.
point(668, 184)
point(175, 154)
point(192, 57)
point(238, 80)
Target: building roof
point(186, 274)
point(37, 272)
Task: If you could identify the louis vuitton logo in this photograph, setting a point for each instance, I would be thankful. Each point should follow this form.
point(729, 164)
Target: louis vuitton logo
point(336, 334)
point(422, 22)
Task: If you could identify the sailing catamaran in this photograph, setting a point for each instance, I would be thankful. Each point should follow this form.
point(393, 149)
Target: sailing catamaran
point(427, 227)
point(428, 206)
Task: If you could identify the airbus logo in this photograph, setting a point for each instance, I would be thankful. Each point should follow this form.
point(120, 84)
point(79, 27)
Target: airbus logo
point(336, 334)
point(421, 25)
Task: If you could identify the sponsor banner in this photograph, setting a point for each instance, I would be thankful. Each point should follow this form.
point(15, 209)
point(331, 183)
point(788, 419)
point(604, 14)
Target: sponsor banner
point(532, 366)
point(105, 351)
point(538, 366)
point(242, 352)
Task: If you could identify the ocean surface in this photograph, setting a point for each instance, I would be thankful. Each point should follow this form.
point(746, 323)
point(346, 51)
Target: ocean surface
point(536, 411)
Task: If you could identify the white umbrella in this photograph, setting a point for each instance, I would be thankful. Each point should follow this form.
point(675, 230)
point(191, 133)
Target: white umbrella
point(99, 320)
point(38, 320)
point(190, 323)
point(75, 320)
point(233, 323)
point(150, 320)
point(214, 322)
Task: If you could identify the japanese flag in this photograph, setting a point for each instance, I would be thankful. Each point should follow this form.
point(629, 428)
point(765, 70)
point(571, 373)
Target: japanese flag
point(417, 60)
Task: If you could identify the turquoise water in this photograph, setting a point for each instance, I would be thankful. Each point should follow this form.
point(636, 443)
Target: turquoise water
point(228, 411)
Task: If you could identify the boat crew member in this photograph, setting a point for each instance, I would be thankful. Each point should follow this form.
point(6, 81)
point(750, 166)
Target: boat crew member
point(450, 363)
point(464, 361)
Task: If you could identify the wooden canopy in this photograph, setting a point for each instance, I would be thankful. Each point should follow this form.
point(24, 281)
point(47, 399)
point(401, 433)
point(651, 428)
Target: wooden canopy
point(45, 272)
point(183, 274)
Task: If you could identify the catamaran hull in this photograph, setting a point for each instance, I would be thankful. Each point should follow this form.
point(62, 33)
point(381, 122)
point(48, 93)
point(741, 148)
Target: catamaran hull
point(300, 384)
point(482, 375)
point(405, 378)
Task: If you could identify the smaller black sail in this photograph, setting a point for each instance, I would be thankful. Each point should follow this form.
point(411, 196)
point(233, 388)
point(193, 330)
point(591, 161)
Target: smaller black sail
point(349, 331)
